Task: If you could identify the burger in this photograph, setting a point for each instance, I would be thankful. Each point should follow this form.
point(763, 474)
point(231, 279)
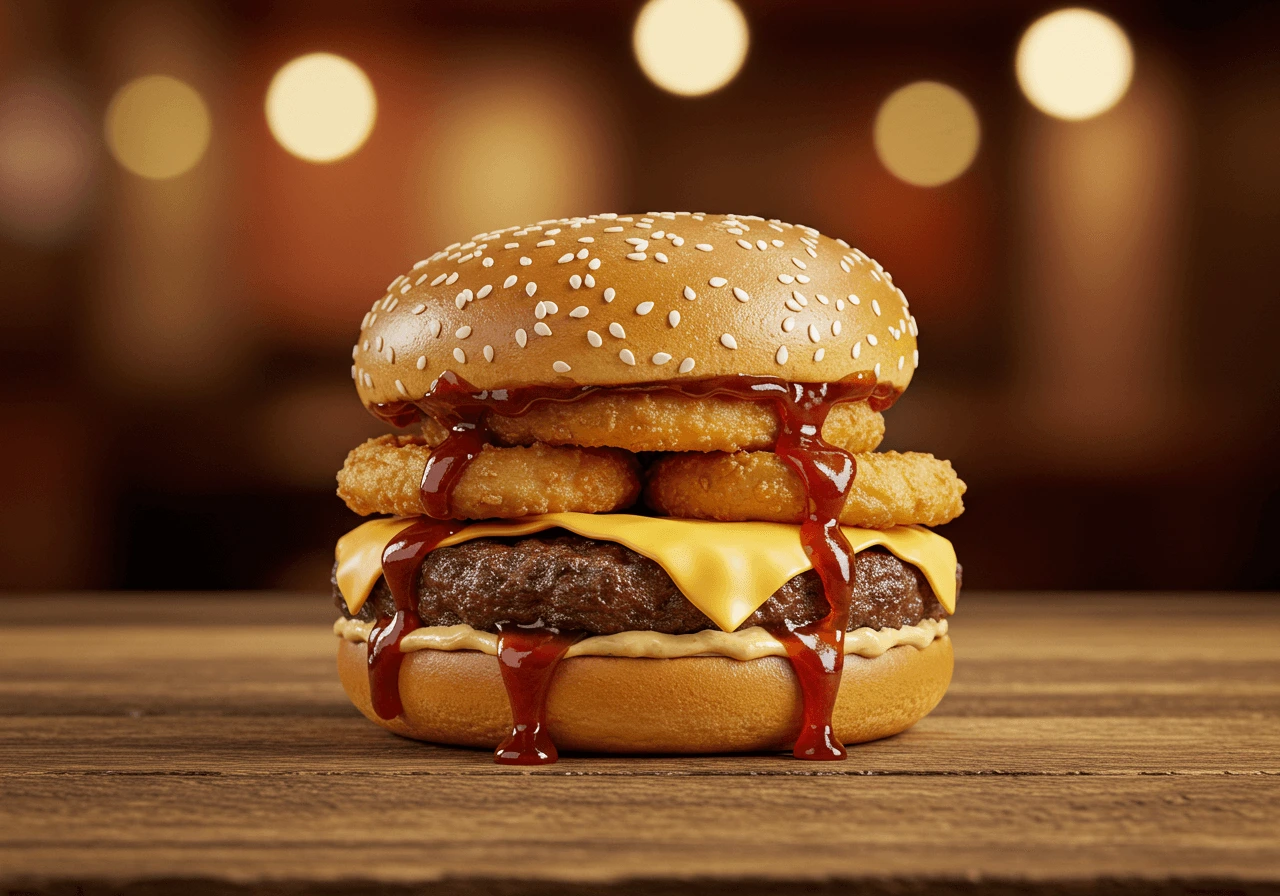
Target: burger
point(637, 506)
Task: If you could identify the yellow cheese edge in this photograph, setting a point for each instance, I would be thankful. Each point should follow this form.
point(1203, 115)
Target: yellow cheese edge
point(744, 644)
point(726, 570)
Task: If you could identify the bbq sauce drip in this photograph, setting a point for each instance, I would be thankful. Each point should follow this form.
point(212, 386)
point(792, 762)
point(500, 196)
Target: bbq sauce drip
point(528, 657)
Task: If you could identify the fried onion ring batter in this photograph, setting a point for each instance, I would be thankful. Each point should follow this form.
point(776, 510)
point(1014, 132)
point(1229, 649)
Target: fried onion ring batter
point(668, 421)
point(891, 489)
point(383, 476)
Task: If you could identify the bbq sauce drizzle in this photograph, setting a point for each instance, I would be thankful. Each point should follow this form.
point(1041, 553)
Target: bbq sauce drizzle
point(528, 656)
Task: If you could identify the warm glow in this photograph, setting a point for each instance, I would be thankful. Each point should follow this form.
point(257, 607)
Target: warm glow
point(926, 133)
point(1074, 63)
point(690, 47)
point(321, 107)
point(157, 127)
point(46, 161)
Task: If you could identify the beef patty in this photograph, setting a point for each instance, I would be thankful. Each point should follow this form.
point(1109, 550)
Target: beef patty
point(570, 582)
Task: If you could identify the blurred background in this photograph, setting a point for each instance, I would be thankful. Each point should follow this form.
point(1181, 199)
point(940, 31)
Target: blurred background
point(198, 202)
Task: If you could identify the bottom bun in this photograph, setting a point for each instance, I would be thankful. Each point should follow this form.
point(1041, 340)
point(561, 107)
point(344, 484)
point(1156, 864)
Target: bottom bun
point(626, 705)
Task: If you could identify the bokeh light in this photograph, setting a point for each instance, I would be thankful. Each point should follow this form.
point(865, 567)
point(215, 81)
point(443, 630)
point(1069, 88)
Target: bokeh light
point(46, 161)
point(691, 47)
point(1074, 63)
point(157, 127)
point(926, 133)
point(321, 107)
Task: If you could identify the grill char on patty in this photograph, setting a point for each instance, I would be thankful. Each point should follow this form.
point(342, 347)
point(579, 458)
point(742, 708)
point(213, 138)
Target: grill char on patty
point(569, 582)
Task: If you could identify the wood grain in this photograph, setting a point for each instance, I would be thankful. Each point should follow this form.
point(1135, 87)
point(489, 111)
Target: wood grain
point(1107, 742)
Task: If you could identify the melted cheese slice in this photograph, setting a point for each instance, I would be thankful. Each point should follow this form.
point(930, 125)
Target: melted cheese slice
point(726, 570)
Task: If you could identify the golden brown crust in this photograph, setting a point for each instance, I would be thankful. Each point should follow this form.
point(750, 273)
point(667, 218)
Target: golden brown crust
point(667, 421)
point(573, 302)
point(383, 476)
point(623, 705)
point(891, 489)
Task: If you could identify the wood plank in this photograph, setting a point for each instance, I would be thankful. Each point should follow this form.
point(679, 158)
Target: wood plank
point(1087, 738)
point(612, 828)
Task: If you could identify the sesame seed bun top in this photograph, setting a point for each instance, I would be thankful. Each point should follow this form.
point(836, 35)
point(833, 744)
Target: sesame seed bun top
point(620, 299)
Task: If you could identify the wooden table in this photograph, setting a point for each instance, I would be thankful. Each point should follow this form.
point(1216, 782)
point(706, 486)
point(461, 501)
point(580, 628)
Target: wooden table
point(202, 743)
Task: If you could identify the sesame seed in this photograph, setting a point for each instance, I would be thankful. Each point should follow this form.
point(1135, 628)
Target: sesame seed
point(792, 305)
point(717, 282)
point(460, 302)
point(545, 243)
point(511, 246)
point(812, 254)
point(509, 282)
point(915, 357)
point(727, 340)
point(586, 239)
point(689, 293)
point(616, 330)
point(781, 356)
point(368, 381)
point(639, 242)
point(594, 338)
point(417, 309)
point(580, 311)
point(877, 370)
point(819, 354)
point(674, 318)
point(488, 262)
point(467, 257)
point(552, 307)
point(613, 230)
point(460, 356)
point(814, 335)
point(735, 231)
point(857, 349)
point(875, 276)
point(839, 304)
point(799, 297)
point(542, 329)
point(488, 352)
point(439, 280)
point(609, 294)
point(823, 299)
point(855, 299)
point(661, 358)
point(644, 308)
point(484, 290)
point(575, 281)
point(786, 278)
point(636, 256)
point(844, 266)
point(686, 365)
point(462, 332)
point(561, 367)
point(377, 344)
point(627, 357)
point(777, 243)
point(660, 257)
point(525, 260)
point(875, 306)
point(678, 241)
point(744, 244)
point(565, 258)
point(835, 328)
point(552, 232)
point(433, 327)
point(761, 245)
point(589, 280)
point(901, 361)
point(703, 247)
point(451, 279)
point(871, 339)
point(530, 288)
point(594, 264)
point(741, 294)
point(391, 355)
point(418, 282)
point(466, 295)
point(802, 278)
point(521, 337)
point(788, 324)
point(540, 310)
